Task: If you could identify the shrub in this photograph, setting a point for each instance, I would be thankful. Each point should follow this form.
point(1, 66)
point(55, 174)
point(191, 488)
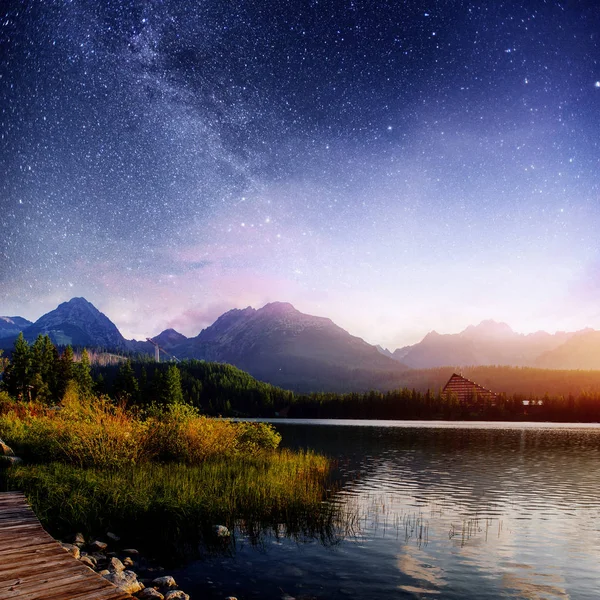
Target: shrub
point(89, 432)
point(253, 437)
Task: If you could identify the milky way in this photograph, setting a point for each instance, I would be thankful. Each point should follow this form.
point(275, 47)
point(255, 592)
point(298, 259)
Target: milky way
point(396, 166)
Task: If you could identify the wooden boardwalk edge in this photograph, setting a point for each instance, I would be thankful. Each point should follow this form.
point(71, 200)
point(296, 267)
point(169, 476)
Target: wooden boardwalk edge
point(34, 566)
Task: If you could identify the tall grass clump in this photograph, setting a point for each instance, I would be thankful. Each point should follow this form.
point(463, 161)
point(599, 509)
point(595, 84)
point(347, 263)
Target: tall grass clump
point(174, 507)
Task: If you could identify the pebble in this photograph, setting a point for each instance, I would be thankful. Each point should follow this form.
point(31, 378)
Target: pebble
point(221, 531)
point(97, 545)
point(164, 582)
point(150, 592)
point(115, 565)
point(5, 450)
point(90, 562)
point(176, 595)
point(72, 550)
point(126, 581)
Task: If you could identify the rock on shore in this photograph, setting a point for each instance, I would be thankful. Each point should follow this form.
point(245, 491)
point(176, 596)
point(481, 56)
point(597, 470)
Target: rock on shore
point(96, 556)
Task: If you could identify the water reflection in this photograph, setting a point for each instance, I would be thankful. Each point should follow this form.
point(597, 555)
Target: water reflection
point(456, 513)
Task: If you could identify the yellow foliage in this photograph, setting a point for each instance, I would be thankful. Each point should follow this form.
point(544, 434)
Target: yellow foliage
point(95, 432)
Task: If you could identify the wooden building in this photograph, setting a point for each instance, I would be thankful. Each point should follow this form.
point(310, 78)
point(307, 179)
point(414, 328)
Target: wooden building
point(467, 391)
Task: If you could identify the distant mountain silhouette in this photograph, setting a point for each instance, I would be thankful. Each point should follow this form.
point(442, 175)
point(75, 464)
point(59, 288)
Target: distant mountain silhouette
point(169, 338)
point(12, 326)
point(384, 351)
point(285, 347)
point(290, 349)
point(489, 343)
point(581, 351)
point(78, 323)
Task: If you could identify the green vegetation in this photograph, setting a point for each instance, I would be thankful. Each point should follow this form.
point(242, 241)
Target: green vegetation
point(38, 373)
point(94, 432)
point(95, 464)
point(170, 508)
point(526, 381)
point(411, 404)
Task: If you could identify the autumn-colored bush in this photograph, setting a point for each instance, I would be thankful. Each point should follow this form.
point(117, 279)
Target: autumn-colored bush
point(95, 432)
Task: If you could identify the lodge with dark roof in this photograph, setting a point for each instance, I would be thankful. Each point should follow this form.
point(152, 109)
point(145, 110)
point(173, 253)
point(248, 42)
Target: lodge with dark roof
point(467, 391)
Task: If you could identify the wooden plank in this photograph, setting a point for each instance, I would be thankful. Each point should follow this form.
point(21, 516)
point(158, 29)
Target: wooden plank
point(33, 566)
point(18, 541)
point(26, 581)
point(29, 585)
point(35, 548)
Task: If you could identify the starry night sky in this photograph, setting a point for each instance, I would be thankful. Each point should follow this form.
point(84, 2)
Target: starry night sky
point(395, 166)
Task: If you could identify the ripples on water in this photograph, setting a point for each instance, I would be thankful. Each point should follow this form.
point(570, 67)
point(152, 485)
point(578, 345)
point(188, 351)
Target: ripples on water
point(438, 512)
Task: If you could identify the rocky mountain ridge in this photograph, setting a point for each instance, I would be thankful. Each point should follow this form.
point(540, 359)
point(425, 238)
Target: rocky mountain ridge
point(493, 343)
point(279, 344)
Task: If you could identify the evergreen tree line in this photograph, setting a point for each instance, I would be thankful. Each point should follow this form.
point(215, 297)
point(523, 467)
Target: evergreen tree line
point(406, 404)
point(214, 388)
point(40, 372)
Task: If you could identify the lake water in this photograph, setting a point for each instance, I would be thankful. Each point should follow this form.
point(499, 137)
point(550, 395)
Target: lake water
point(435, 510)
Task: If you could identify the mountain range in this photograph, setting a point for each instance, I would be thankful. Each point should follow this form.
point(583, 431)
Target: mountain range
point(283, 346)
point(11, 326)
point(492, 343)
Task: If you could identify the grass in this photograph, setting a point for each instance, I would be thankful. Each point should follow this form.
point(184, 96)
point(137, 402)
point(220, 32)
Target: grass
point(164, 478)
point(175, 506)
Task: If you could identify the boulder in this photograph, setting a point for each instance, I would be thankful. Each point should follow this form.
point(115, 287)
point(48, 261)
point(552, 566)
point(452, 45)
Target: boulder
point(88, 561)
point(78, 539)
point(5, 450)
point(126, 581)
point(128, 562)
point(113, 537)
point(131, 551)
point(72, 549)
point(176, 595)
point(221, 531)
point(114, 564)
point(99, 557)
point(98, 546)
point(149, 592)
point(166, 582)
point(9, 461)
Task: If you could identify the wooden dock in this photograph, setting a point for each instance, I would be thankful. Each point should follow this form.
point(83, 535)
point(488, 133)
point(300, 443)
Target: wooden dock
point(34, 566)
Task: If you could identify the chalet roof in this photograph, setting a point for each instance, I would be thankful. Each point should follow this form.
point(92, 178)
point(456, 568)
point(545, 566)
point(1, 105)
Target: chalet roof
point(465, 389)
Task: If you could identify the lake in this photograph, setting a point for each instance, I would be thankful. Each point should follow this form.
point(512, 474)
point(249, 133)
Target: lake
point(433, 510)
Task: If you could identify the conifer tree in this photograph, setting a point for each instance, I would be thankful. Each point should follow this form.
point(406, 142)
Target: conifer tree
point(44, 363)
point(100, 385)
point(171, 389)
point(3, 362)
point(126, 384)
point(83, 376)
point(18, 374)
point(66, 371)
